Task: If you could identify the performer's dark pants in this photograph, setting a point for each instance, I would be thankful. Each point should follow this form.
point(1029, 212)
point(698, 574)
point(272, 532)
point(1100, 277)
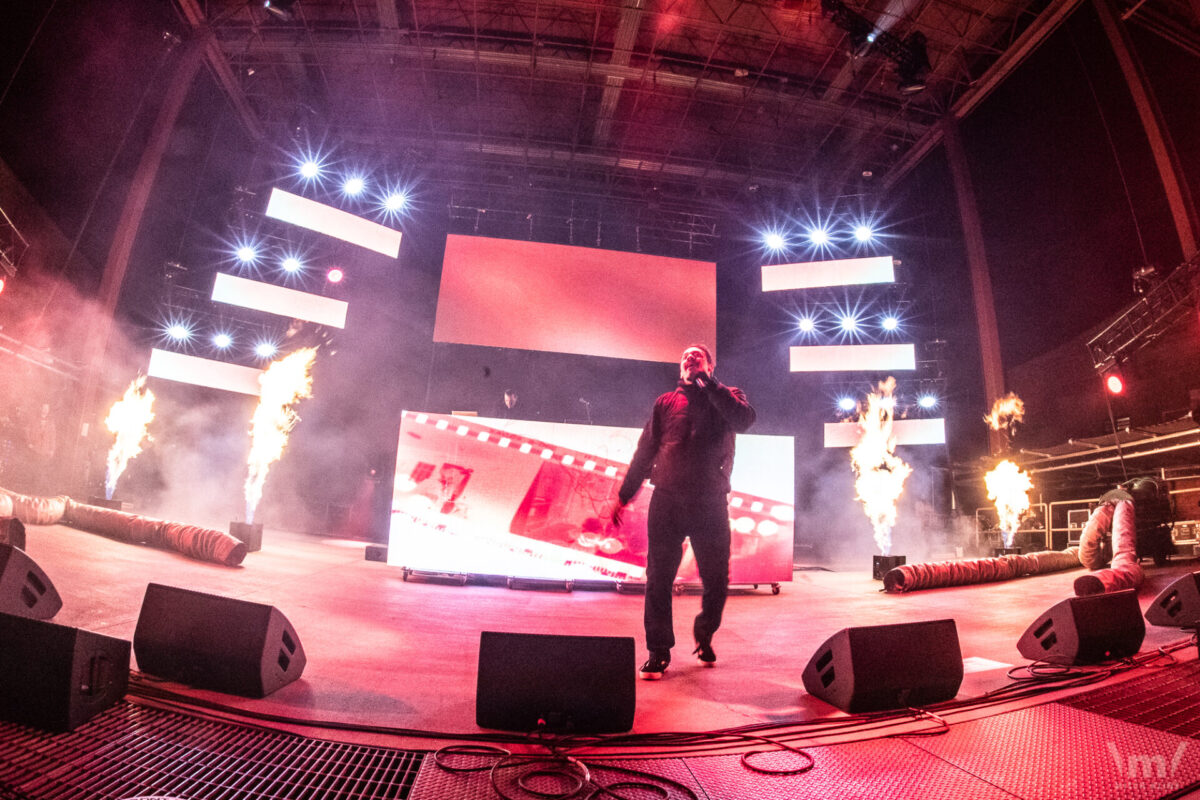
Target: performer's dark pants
point(670, 520)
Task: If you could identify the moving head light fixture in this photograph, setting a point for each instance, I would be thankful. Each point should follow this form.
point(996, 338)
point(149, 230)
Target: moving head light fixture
point(282, 9)
point(909, 54)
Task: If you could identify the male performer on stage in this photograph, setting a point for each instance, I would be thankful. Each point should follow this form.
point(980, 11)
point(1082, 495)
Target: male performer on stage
point(686, 449)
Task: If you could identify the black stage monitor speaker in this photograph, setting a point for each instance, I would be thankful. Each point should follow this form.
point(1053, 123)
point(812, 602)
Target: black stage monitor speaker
point(12, 531)
point(56, 677)
point(1086, 630)
point(578, 684)
point(887, 666)
point(1178, 605)
point(217, 643)
point(24, 589)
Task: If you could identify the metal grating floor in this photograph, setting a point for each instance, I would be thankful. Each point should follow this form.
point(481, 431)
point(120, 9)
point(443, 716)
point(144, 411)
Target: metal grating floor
point(1166, 700)
point(1052, 752)
point(1045, 752)
point(132, 750)
point(1118, 741)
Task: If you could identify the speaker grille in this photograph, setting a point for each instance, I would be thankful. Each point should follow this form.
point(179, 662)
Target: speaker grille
point(825, 669)
point(25, 589)
point(1171, 604)
point(215, 642)
point(1178, 604)
point(879, 667)
point(35, 583)
point(1045, 635)
point(1086, 630)
point(581, 684)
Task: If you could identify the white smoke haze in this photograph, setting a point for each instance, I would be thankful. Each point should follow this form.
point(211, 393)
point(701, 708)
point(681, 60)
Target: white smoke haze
point(830, 518)
point(199, 453)
point(45, 326)
point(195, 470)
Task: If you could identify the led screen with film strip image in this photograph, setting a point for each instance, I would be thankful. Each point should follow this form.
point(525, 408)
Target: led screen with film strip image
point(527, 499)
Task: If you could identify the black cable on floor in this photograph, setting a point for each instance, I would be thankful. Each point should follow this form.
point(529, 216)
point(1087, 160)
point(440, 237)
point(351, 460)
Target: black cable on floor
point(577, 774)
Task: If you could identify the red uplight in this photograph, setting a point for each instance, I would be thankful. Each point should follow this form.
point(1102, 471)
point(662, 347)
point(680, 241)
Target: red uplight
point(1, 285)
point(1114, 384)
point(335, 275)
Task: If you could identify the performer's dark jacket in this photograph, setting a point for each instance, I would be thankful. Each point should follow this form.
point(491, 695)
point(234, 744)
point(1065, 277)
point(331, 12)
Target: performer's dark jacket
point(686, 449)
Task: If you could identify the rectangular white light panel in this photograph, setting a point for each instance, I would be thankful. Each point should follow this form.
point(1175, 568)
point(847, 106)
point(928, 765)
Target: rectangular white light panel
point(907, 431)
point(853, 357)
point(333, 222)
point(279, 300)
point(580, 300)
point(814, 274)
point(203, 372)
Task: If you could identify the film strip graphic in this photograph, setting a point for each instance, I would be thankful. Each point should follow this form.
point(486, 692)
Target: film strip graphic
point(748, 513)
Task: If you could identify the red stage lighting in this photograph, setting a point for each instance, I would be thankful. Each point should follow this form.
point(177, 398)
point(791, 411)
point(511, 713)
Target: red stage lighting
point(335, 275)
point(1, 285)
point(1113, 383)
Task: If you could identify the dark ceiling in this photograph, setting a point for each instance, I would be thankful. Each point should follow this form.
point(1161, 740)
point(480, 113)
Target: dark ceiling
point(704, 99)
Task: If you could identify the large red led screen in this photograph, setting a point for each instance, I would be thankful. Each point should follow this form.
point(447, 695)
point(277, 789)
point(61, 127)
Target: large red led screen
point(527, 499)
point(562, 299)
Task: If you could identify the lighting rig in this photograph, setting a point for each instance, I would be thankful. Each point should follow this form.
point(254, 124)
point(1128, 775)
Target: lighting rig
point(909, 54)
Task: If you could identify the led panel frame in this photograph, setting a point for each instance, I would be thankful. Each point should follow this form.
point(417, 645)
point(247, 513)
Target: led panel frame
point(206, 372)
point(838, 272)
point(852, 357)
point(906, 431)
point(334, 222)
point(279, 300)
point(557, 298)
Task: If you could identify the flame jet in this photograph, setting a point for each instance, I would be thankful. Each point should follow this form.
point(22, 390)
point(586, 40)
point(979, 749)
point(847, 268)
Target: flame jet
point(284, 383)
point(879, 473)
point(127, 420)
point(1007, 413)
point(1007, 485)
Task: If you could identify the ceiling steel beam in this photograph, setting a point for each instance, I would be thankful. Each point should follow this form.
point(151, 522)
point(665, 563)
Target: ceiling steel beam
point(1032, 38)
point(219, 64)
point(622, 54)
point(573, 70)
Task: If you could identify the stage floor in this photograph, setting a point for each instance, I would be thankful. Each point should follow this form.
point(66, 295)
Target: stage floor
point(392, 653)
point(399, 658)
